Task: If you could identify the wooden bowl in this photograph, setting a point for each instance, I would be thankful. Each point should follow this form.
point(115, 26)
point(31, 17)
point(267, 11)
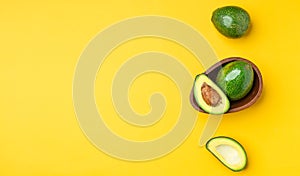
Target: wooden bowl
point(243, 103)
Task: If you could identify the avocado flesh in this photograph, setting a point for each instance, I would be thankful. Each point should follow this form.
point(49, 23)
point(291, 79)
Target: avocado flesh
point(228, 151)
point(209, 96)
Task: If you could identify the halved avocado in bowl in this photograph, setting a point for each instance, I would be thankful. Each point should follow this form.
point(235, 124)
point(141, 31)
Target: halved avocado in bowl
point(236, 105)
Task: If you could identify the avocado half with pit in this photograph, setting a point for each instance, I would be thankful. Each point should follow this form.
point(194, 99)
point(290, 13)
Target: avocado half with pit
point(229, 152)
point(209, 96)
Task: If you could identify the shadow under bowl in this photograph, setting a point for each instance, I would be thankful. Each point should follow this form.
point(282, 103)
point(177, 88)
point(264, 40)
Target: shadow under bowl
point(243, 103)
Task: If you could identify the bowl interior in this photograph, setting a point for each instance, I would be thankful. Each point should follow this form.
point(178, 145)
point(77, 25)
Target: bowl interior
point(243, 103)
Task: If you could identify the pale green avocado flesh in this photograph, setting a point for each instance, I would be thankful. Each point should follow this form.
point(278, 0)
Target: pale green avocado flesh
point(229, 152)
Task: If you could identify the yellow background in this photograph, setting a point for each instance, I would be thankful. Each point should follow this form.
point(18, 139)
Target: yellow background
point(41, 43)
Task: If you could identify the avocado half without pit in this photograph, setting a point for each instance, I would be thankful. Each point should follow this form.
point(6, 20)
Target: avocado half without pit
point(229, 152)
point(213, 101)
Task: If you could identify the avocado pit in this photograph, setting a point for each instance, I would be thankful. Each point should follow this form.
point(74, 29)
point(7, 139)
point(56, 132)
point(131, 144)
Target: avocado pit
point(210, 95)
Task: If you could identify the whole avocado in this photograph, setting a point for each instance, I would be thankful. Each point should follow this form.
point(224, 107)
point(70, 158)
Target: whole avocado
point(236, 79)
point(231, 21)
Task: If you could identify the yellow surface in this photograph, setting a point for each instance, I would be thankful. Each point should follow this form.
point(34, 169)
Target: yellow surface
point(40, 46)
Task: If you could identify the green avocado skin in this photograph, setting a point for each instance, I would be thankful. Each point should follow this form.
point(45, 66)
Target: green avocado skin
point(231, 21)
point(235, 79)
